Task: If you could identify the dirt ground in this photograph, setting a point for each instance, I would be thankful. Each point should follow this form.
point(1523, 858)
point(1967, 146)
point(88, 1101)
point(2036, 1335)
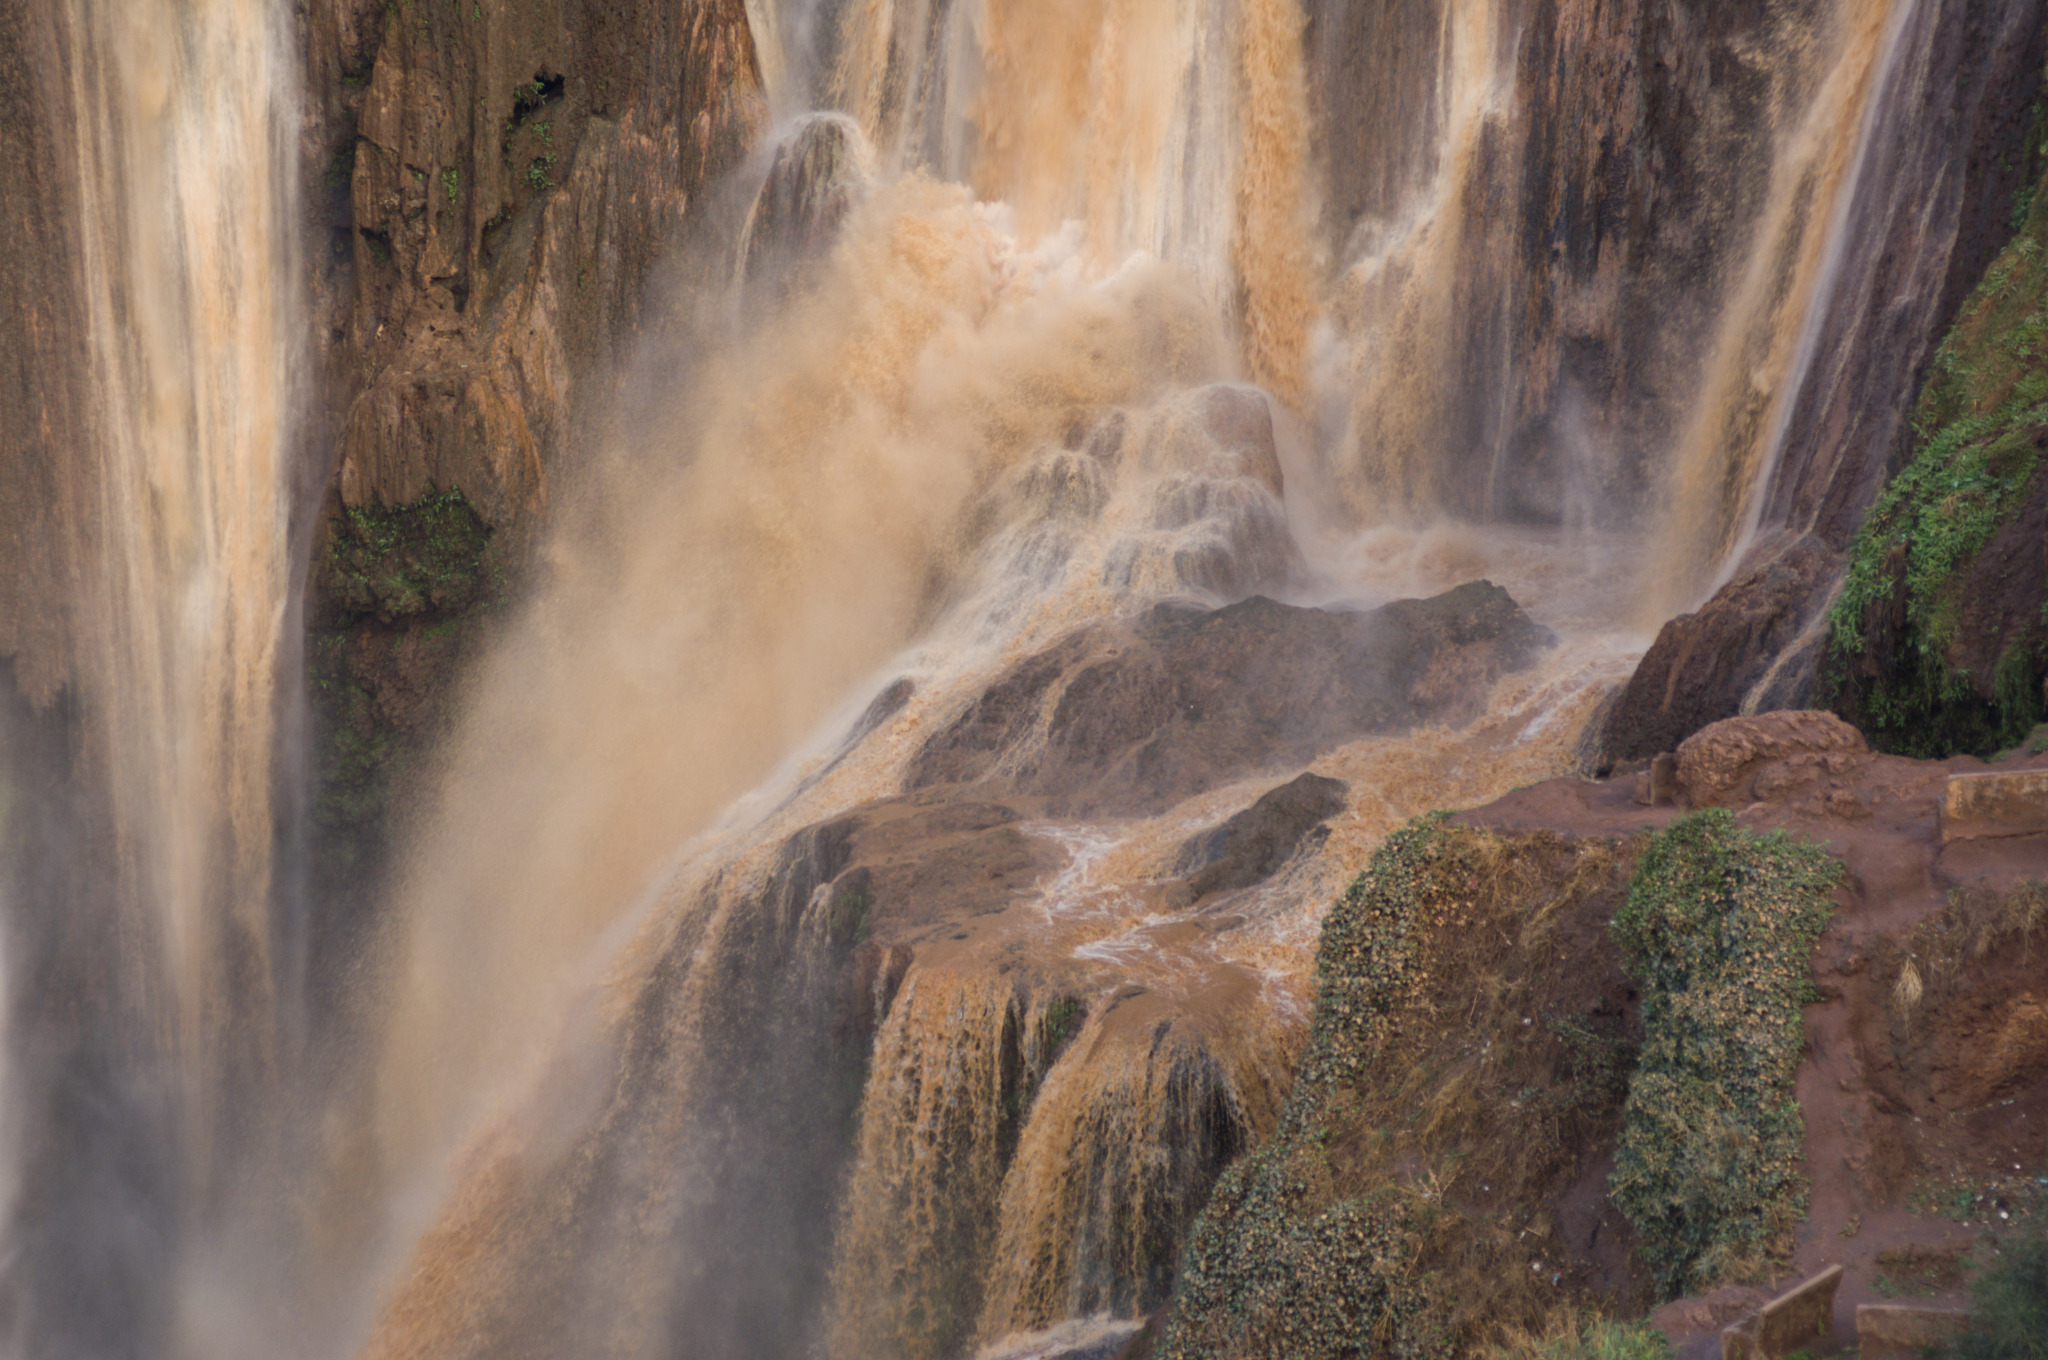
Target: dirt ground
point(1925, 1086)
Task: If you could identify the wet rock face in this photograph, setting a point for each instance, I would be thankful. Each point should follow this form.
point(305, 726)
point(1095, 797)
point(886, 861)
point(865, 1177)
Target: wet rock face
point(818, 176)
point(1252, 845)
point(1924, 225)
point(491, 185)
point(45, 364)
point(1704, 664)
point(1185, 699)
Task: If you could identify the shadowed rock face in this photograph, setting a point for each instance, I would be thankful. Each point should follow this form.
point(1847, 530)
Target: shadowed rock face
point(1702, 664)
point(1134, 720)
point(818, 176)
point(1934, 207)
point(1251, 846)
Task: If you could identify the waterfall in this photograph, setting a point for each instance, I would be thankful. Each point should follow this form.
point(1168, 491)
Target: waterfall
point(172, 916)
point(187, 220)
point(1057, 329)
point(795, 949)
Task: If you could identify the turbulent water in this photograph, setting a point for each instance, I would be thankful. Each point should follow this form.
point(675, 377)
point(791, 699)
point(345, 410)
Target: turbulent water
point(1038, 320)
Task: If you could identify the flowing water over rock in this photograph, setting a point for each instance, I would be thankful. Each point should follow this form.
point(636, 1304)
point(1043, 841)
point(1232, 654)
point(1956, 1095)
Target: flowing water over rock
point(152, 948)
point(1129, 456)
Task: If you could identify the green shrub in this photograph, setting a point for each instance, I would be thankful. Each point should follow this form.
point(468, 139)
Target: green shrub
point(2010, 1319)
point(1719, 927)
point(1595, 1340)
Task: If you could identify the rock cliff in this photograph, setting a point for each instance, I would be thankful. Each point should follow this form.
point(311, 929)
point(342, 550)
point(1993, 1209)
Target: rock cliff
point(491, 186)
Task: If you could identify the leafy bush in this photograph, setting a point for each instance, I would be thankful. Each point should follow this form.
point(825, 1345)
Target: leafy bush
point(1598, 1339)
point(2010, 1320)
point(1719, 927)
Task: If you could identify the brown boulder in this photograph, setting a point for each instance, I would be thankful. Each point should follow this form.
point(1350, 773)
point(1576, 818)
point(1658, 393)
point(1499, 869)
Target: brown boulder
point(1252, 845)
point(1716, 763)
point(1704, 665)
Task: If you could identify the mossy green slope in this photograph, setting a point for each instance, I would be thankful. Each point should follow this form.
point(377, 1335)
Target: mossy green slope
point(1472, 1060)
point(1464, 1066)
point(1921, 655)
point(1719, 928)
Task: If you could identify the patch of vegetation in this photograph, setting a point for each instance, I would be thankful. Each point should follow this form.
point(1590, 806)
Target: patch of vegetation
point(1978, 425)
point(1938, 955)
point(430, 556)
point(1595, 1339)
point(341, 168)
point(2009, 1319)
point(1719, 927)
point(535, 94)
point(540, 171)
point(451, 181)
point(851, 918)
point(1063, 1019)
point(428, 567)
point(1404, 1206)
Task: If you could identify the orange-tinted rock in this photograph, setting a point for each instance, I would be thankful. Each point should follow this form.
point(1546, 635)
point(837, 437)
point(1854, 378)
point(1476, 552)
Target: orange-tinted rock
point(2000, 803)
point(1715, 763)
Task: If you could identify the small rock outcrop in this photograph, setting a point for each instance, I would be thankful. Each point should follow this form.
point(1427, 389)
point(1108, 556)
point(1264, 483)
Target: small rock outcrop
point(1133, 720)
point(1716, 763)
point(818, 176)
point(1251, 846)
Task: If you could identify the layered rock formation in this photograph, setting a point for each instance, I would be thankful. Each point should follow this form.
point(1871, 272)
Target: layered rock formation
point(920, 1076)
point(492, 186)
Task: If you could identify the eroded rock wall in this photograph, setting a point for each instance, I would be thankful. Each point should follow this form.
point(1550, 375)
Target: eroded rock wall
point(1578, 181)
point(1951, 148)
point(491, 186)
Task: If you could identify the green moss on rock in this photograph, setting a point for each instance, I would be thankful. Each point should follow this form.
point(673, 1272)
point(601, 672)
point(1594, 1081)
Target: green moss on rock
point(1719, 928)
point(1920, 656)
point(397, 591)
point(1459, 1075)
point(429, 557)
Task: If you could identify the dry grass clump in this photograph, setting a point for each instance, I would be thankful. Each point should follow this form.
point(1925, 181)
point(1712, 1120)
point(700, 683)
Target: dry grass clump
point(1943, 949)
point(1466, 1062)
point(1573, 1337)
